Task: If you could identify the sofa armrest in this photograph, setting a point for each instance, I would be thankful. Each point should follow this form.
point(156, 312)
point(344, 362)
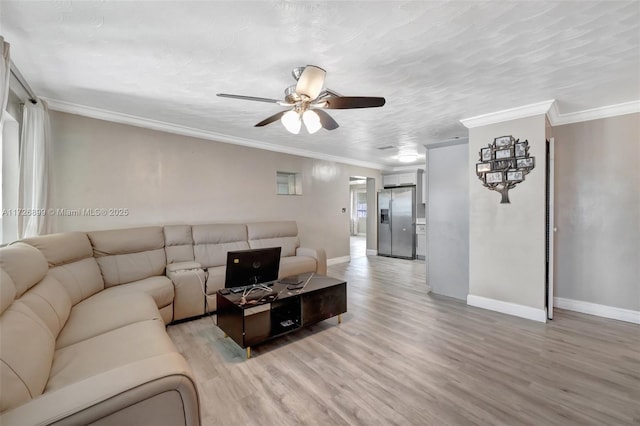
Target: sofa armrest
point(159, 386)
point(189, 283)
point(318, 254)
point(182, 266)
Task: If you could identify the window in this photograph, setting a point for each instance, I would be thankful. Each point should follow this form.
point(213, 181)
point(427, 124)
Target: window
point(9, 159)
point(288, 183)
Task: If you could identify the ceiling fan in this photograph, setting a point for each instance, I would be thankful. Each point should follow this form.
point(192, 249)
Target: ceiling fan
point(308, 101)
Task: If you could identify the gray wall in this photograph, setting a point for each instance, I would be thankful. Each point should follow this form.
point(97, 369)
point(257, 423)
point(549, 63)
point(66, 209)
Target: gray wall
point(162, 178)
point(448, 220)
point(507, 241)
point(597, 211)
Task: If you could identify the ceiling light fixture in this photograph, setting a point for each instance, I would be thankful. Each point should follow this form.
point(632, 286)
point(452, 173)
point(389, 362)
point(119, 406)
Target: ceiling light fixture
point(311, 121)
point(291, 121)
point(407, 158)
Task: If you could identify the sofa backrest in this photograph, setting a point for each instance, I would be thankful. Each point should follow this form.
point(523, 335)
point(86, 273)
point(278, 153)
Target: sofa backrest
point(29, 323)
point(274, 234)
point(126, 255)
point(71, 262)
point(178, 243)
point(212, 242)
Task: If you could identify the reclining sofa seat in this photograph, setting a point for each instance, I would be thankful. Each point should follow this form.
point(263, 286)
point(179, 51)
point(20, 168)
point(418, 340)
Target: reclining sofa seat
point(72, 353)
point(135, 257)
point(190, 248)
point(294, 259)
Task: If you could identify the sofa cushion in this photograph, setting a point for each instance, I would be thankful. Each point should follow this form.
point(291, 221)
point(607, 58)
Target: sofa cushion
point(7, 291)
point(178, 243)
point(295, 265)
point(71, 262)
point(274, 234)
point(212, 242)
point(26, 351)
point(126, 255)
point(105, 312)
point(62, 248)
point(81, 278)
point(159, 288)
point(216, 278)
point(50, 302)
point(24, 264)
point(109, 350)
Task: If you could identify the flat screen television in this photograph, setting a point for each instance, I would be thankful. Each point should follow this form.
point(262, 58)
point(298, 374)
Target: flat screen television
point(250, 267)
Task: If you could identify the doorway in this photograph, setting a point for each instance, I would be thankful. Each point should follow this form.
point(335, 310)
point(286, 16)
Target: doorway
point(358, 216)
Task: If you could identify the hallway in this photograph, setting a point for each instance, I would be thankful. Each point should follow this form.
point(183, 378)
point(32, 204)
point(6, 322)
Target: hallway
point(358, 246)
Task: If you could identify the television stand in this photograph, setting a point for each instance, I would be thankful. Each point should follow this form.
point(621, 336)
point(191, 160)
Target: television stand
point(266, 315)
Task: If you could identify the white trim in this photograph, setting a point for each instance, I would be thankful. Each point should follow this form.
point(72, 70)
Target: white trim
point(522, 311)
point(508, 114)
point(552, 226)
point(178, 129)
point(605, 311)
point(336, 260)
point(557, 119)
point(411, 168)
point(372, 252)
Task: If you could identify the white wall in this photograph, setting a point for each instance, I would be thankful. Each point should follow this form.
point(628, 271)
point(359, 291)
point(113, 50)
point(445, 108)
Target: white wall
point(163, 178)
point(597, 185)
point(507, 241)
point(448, 220)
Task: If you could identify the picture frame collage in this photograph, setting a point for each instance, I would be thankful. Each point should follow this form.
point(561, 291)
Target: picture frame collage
point(505, 162)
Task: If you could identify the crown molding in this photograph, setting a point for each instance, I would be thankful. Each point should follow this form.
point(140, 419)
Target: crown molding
point(508, 114)
point(162, 126)
point(410, 168)
point(550, 108)
point(447, 143)
point(557, 119)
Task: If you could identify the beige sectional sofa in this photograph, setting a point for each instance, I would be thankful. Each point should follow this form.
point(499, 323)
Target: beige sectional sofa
point(190, 248)
point(83, 315)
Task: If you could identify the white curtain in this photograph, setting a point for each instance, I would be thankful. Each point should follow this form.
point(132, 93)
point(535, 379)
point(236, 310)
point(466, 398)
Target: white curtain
point(35, 151)
point(5, 71)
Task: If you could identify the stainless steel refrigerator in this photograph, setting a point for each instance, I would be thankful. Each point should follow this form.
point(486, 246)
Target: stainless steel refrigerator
point(397, 222)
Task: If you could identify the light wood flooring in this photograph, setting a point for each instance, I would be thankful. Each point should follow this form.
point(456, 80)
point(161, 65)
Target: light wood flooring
point(405, 357)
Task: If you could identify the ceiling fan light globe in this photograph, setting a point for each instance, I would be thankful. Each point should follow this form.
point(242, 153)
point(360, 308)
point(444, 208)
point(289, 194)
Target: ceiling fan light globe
point(311, 121)
point(311, 82)
point(297, 72)
point(291, 121)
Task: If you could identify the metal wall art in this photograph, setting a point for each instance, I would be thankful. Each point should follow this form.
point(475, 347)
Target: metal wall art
point(504, 164)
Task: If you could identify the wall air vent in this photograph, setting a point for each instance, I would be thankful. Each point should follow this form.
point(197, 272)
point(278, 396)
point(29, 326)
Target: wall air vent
point(382, 148)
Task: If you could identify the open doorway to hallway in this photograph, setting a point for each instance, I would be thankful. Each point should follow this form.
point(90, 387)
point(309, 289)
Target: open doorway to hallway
point(358, 216)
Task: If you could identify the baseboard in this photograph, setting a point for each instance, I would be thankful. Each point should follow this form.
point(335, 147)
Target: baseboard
point(522, 311)
point(605, 311)
point(372, 252)
point(336, 260)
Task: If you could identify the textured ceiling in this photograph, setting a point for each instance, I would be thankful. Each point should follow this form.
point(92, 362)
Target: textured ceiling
point(434, 62)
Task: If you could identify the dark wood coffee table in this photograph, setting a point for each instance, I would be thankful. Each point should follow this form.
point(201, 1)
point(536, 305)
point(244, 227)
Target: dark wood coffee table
point(267, 315)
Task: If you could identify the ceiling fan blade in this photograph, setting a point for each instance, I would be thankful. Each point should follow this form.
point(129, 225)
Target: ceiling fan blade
point(348, 102)
point(326, 120)
point(311, 81)
point(249, 98)
point(269, 120)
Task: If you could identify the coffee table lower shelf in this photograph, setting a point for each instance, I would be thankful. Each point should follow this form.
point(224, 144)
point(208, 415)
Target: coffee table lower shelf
point(258, 321)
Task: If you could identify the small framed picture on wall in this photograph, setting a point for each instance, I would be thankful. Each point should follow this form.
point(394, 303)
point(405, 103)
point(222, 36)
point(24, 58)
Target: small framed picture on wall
point(494, 177)
point(521, 150)
point(525, 162)
point(485, 154)
point(502, 141)
point(515, 176)
point(483, 167)
point(504, 153)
